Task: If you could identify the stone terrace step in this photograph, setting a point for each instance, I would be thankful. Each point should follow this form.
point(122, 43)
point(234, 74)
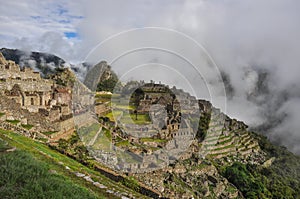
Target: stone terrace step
point(213, 147)
point(247, 142)
point(225, 138)
point(225, 153)
point(224, 149)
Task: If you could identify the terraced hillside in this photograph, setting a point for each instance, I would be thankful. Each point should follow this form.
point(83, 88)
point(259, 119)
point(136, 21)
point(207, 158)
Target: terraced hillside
point(227, 140)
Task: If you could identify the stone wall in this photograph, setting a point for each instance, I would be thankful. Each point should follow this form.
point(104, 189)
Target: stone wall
point(25, 96)
point(27, 84)
point(42, 120)
point(102, 109)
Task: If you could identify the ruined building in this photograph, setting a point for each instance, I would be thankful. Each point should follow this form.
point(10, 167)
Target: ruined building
point(30, 99)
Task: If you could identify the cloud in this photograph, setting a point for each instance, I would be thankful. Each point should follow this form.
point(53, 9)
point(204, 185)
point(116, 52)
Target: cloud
point(25, 25)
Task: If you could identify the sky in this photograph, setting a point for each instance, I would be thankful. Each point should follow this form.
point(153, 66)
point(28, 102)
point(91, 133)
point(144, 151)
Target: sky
point(255, 44)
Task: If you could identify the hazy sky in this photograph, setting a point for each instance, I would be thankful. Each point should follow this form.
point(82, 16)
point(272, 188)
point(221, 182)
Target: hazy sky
point(255, 43)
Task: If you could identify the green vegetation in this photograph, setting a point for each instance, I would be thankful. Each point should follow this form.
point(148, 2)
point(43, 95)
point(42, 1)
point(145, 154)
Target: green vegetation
point(63, 77)
point(3, 146)
point(131, 119)
point(123, 106)
point(27, 126)
point(283, 176)
point(225, 147)
point(152, 140)
point(49, 132)
point(131, 182)
point(58, 162)
point(15, 122)
point(107, 133)
point(102, 98)
point(245, 181)
point(23, 176)
point(2, 114)
point(127, 157)
point(74, 147)
point(103, 141)
point(123, 143)
point(280, 180)
point(108, 84)
point(203, 126)
point(112, 115)
point(89, 132)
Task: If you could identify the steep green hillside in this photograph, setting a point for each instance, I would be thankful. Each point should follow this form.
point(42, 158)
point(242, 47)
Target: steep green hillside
point(278, 177)
point(34, 167)
point(23, 176)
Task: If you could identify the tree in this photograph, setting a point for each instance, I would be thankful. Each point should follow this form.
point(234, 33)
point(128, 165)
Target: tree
point(203, 126)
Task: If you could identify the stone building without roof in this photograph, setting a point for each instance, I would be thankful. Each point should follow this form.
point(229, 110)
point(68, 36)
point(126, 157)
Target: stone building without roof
point(27, 97)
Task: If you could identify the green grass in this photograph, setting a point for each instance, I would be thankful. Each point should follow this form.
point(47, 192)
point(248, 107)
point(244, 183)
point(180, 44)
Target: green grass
point(123, 143)
point(89, 132)
point(106, 96)
point(53, 158)
point(126, 157)
point(49, 132)
point(25, 175)
point(153, 140)
point(27, 126)
point(103, 98)
point(15, 122)
point(231, 189)
point(225, 147)
point(112, 115)
point(225, 141)
point(131, 119)
point(22, 176)
point(216, 154)
point(2, 114)
point(107, 133)
point(3, 145)
point(123, 106)
point(103, 141)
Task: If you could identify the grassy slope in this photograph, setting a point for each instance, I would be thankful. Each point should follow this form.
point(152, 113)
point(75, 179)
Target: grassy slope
point(24, 176)
point(53, 161)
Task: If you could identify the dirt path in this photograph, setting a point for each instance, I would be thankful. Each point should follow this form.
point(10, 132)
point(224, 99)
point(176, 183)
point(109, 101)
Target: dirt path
point(96, 136)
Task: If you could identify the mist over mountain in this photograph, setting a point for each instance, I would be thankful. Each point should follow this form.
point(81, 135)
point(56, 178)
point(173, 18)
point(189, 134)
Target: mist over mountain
point(45, 63)
point(275, 109)
point(41, 62)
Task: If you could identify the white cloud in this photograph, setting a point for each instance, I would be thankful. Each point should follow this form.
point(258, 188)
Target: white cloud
point(31, 25)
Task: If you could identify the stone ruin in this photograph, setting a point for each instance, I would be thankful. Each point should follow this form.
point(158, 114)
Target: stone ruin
point(27, 97)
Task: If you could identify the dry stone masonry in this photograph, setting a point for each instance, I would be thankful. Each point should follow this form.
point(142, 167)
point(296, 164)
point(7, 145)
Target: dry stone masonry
point(32, 100)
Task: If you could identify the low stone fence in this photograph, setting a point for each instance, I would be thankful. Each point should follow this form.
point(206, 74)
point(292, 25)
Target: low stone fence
point(18, 129)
